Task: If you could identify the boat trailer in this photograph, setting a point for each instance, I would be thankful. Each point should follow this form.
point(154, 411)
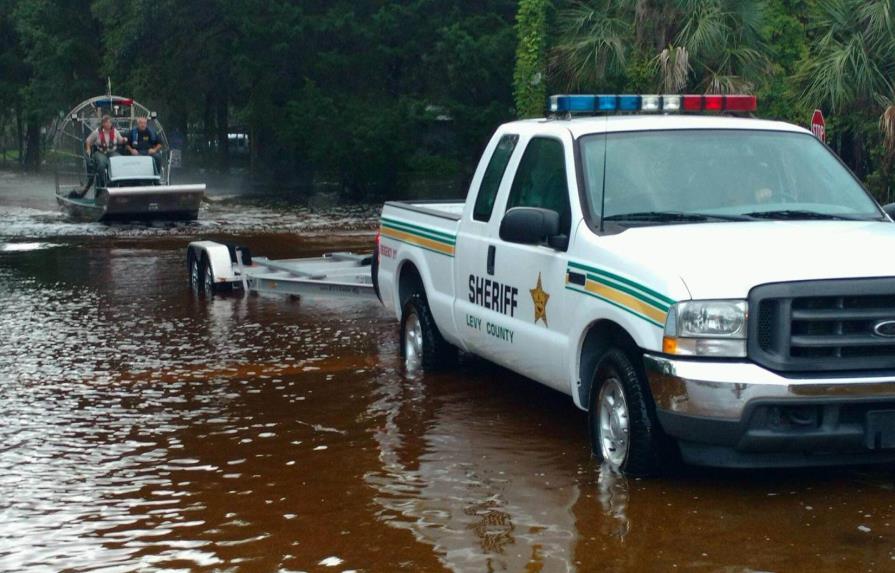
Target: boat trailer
point(217, 267)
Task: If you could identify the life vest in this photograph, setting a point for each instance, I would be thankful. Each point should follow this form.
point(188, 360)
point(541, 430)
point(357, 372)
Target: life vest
point(101, 139)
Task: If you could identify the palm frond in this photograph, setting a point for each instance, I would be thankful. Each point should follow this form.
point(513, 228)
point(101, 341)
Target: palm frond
point(887, 127)
point(878, 17)
point(673, 65)
point(593, 42)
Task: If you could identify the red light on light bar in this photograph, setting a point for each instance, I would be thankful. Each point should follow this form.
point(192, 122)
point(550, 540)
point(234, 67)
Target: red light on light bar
point(740, 103)
point(713, 102)
point(736, 103)
point(692, 103)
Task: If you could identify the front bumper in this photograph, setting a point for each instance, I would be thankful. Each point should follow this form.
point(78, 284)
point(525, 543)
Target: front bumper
point(738, 414)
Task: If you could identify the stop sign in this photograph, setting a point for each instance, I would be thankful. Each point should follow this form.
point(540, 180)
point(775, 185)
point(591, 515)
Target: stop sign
point(818, 125)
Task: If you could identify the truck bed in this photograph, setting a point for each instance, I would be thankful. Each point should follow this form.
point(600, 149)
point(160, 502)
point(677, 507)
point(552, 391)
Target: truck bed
point(424, 233)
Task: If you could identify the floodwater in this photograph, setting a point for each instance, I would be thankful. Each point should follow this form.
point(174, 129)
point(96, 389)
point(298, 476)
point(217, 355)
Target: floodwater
point(143, 429)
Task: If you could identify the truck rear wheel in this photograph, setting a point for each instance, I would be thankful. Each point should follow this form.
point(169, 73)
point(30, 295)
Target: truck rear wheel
point(624, 431)
point(422, 346)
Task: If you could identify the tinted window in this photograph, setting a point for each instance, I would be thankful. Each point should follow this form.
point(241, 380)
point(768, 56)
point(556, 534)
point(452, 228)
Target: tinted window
point(724, 172)
point(541, 180)
point(484, 201)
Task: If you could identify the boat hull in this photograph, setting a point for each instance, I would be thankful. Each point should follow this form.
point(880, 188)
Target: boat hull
point(149, 203)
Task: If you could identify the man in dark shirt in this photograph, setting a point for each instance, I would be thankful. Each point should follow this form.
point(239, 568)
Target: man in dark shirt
point(142, 140)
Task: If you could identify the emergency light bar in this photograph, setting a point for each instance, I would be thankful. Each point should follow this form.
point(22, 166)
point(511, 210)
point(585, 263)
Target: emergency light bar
point(650, 103)
point(127, 102)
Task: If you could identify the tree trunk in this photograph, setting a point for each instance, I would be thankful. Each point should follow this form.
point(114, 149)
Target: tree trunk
point(223, 129)
point(208, 120)
point(858, 156)
point(3, 141)
point(252, 149)
point(32, 147)
point(20, 135)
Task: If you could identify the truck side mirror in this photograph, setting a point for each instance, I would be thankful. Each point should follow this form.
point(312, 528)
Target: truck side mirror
point(889, 208)
point(529, 226)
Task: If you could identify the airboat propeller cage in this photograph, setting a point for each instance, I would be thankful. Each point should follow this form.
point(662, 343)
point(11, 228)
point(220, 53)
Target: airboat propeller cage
point(668, 103)
point(73, 128)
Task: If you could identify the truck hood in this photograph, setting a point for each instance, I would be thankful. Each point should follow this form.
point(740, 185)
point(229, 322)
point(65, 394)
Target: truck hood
point(725, 260)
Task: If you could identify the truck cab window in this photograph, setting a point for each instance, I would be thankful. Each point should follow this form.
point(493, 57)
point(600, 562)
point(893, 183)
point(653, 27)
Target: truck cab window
point(484, 201)
point(541, 180)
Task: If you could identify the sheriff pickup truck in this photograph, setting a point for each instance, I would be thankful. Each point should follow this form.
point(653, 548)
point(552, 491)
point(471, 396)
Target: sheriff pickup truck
point(708, 286)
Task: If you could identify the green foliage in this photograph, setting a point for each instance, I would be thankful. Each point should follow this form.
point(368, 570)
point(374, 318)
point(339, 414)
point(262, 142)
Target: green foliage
point(795, 55)
point(784, 32)
point(367, 94)
point(849, 71)
point(705, 45)
point(529, 78)
point(355, 93)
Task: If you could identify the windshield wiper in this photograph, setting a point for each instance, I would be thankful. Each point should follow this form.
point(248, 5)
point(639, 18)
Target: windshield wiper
point(673, 216)
point(796, 214)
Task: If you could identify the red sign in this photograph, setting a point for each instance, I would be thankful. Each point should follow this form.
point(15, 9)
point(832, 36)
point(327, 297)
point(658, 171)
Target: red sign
point(818, 125)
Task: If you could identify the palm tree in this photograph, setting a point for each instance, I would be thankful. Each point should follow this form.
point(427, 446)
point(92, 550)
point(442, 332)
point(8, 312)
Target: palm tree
point(594, 41)
point(851, 66)
point(708, 45)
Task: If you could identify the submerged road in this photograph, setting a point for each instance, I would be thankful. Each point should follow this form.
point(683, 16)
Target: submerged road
point(142, 429)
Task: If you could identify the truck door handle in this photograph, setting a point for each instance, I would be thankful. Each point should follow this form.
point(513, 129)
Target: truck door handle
point(577, 278)
point(492, 251)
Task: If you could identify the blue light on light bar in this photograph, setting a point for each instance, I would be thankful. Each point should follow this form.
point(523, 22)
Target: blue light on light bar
point(629, 103)
point(572, 104)
point(607, 103)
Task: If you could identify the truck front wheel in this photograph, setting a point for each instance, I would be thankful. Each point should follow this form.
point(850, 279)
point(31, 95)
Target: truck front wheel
point(422, 346)
point(623, 430)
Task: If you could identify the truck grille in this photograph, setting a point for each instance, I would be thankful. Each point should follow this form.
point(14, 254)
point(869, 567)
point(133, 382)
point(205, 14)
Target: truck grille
point(823, 325)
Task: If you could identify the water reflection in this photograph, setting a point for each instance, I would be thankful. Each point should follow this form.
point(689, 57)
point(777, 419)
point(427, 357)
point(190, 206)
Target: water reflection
point(613, 493)
point(450, 476)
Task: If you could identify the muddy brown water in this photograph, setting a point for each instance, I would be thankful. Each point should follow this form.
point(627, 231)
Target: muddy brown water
point(143, 429)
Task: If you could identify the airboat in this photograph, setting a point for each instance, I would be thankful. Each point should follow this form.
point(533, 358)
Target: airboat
point(134, 188)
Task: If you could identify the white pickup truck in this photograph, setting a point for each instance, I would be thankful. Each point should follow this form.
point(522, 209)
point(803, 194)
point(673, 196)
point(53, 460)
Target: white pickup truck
point(708, 287)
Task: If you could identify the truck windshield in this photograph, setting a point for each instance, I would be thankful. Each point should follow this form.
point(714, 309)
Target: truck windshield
point(660, 177)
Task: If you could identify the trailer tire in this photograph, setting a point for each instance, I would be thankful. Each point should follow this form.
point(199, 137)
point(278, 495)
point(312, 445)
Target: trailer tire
point(422, 345)
point(624, 431)
point(207, 287)
point(193, 270)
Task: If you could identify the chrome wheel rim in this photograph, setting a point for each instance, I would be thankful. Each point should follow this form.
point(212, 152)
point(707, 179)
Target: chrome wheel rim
point(209, 280)
point(613, 423)
point(413, 341)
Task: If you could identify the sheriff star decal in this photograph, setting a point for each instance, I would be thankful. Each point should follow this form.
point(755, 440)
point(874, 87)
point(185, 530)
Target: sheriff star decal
point(540, 297)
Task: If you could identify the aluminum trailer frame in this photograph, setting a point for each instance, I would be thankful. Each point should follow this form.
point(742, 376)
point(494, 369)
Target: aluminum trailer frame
point(340, 274)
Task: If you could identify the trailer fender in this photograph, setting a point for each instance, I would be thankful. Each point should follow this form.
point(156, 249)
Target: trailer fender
point(218, 256)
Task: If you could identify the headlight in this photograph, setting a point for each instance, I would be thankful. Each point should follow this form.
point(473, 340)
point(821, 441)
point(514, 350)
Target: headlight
point(707, 328)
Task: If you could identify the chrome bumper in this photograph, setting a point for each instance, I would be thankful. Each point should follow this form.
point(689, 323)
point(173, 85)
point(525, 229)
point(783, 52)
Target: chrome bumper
point(723, 390)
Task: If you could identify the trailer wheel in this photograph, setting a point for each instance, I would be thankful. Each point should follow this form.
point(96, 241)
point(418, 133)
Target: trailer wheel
point(624, 431)
point(207, 288)
point(193, 270)
point(422, 346)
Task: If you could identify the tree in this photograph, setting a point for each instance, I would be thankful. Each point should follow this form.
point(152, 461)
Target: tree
point(14, 74)
point(713, 46)
point(529, 79)
point(59, 42)
point(849, 70)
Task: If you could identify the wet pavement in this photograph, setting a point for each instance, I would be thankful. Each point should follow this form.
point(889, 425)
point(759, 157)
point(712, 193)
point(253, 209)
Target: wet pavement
point(144, 429)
